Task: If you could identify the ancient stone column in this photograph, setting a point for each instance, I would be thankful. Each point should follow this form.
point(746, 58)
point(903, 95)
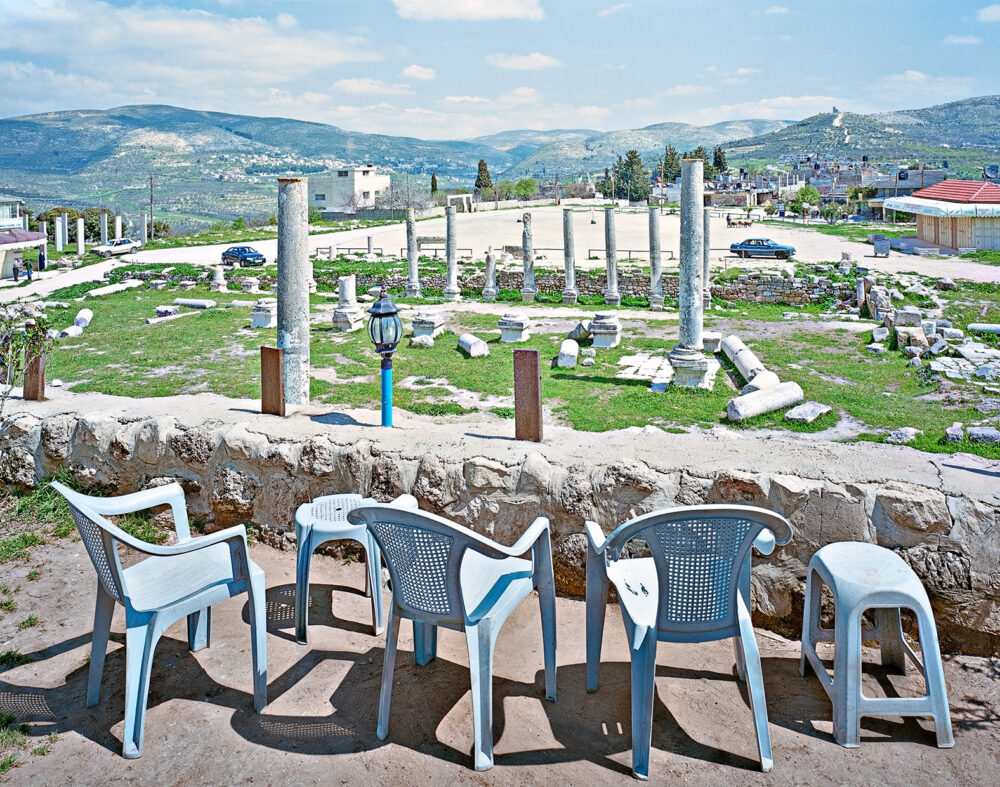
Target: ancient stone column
point(412, 255)
point(294, 273)
point(80, 239)
point(707, 261)
point(451, 289)
point(118, 225)
point(570, 293)
point(611, 295)
point(59, 232)
point(104, 228)
point(528, 289)
point(65, 229)
point(490, 290)
point(43, 227)
point(655, 262)
point(144, 231)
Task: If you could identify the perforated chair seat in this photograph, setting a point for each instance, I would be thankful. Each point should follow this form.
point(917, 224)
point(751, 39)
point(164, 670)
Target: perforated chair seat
point(492, 587)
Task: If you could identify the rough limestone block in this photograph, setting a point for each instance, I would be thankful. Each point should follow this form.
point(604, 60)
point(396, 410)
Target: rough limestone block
point(165, 311)
point(473, 346)
point(984, 327)
point(569, 351)
point(807, 412)
point(987, 435)
point(906, 434)
point(587, 362)
point(945, 283)
point(950, 333)
point(988, 371)
point(424, 340)
point(880, 334)
point(766, 401)
point(579, 333)
point(907, 319)
point(588, 352)
point(157, 284)
point(954, 433)
point(186, 285)
point(760, 381)
point(938, 347)
point(83, 318)
point(195, 303)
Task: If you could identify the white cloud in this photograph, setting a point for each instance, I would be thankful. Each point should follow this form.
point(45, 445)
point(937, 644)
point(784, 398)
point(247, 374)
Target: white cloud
point(614, 9)
point(687, 90)
point(742, 72)
point(777, 9)
point(466, 100)
point(533, 62)
point(286, 21)
point(365, 86)
point(962, 40)
point(990, 13)
point(421, 73)
point(918, 85)
point(774, 108)
point(468, 10)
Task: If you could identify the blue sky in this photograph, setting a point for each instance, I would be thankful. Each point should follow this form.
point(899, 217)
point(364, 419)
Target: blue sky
point(461, 68)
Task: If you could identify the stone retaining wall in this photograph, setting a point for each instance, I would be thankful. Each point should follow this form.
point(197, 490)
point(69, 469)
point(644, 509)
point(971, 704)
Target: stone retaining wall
point(941, 513)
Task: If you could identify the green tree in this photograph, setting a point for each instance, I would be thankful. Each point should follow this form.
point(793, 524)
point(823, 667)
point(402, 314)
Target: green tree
point(604, 185)
point(526, 188)
point(831, 212)
point(719, 159)
point(239, 223)
point(700, 152)
point(315, 215)
point(434, 183)
point(505, 189)
point(805, 195)
point(671, 164)
point(483, 179)
point(633, 178)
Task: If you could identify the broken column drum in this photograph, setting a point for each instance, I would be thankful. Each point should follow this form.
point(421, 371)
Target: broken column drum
point(570, 293)
point(490, 290)
point(412, 255)
point(528, 290)
point(655, 261)
point(611, 295)
point(348, 316)
point(294, 273)
point(451, 289)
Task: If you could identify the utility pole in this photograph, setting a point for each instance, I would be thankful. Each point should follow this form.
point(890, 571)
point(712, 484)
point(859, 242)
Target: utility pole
point(152, 232)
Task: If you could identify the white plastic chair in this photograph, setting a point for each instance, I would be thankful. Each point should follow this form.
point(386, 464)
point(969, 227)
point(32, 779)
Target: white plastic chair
point(324, 520)
point(446, 575)
point(695, 587)
point(184, 579)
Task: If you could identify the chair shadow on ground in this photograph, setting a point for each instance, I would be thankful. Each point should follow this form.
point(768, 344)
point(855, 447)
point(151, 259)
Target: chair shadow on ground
point(280, 609)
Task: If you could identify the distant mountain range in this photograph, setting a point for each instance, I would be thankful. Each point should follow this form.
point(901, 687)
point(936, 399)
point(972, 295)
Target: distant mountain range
point(217, 165)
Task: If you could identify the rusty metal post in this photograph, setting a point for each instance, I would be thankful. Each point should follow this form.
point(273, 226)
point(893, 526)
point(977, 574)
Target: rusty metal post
point(528, 395)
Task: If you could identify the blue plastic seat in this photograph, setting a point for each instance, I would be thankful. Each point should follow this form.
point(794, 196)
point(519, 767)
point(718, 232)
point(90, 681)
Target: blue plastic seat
point(694, 587)
point(181, 580)
point(324, 520)
point(446, 575)
point(862, 577)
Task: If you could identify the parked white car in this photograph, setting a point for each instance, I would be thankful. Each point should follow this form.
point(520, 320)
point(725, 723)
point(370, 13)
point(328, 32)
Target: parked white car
point(115, 247)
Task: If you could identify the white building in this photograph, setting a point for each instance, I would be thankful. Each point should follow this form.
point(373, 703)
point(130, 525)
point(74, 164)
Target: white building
point(10, 213)
point(346, 190)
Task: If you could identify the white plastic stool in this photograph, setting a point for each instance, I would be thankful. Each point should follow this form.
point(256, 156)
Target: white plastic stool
point(866, 576)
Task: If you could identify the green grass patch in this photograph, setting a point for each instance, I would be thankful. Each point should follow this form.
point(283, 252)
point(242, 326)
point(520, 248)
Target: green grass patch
point(29, 622)
point(988, 256)
point(16, 547)
point(44, 505)
point(849, 231)
point(7, 763)
point(142, 528)
point(11, 658)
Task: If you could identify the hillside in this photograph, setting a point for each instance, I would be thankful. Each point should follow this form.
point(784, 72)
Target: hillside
point(966, 133)
point(575, 156)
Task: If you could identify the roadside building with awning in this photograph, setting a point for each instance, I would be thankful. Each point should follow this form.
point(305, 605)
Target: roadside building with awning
point(13, 244)
point(955, 214)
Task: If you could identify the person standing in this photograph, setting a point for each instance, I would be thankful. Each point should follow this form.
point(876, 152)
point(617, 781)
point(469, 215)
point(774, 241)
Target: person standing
point(28, 267)
point(17, 267)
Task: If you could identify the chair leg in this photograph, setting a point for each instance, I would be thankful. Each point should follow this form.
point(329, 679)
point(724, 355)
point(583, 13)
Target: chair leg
point(741, 663)
point(140, 642)
point(104, 611)
point(597, 606)
point(889, 633)
point(755, 687)
point(258, 640)
point(424, 642)
point(643, 689)
point(547, 605)
point(199, 625)
point(302, 561)
point(934, 677)
point(388, 666)
point(847, 678)
point(810, 618)
point(373, 583)
point(480, 641)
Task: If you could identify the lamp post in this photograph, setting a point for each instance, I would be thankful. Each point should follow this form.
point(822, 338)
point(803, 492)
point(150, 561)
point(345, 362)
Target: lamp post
point(385, 329)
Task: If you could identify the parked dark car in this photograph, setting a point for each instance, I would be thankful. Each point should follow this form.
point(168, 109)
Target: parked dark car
point(244, 256)
point(762, 247)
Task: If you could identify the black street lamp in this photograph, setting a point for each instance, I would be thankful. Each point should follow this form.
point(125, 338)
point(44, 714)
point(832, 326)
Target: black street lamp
point(385, 329)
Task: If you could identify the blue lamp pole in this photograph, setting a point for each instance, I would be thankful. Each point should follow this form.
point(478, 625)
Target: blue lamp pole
point(385, 329)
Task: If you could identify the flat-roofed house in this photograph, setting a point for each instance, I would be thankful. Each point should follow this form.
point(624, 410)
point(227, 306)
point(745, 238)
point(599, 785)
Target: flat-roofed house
point(955, 214)
point(14, 236)
point(346, 190)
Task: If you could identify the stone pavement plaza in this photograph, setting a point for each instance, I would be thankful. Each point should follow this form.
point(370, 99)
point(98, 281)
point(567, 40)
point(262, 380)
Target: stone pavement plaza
point(320, 724)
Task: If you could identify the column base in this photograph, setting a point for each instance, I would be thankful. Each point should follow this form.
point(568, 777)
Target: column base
point(490, 295)
point(656, 302)
point(528, 295)
point(570, 296)
point(413, 290)
point(452, 294)
point(613, 298)
point(693, 369)
point(706, 300)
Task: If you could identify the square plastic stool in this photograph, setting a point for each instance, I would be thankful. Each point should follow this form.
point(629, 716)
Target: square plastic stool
point(866, 576)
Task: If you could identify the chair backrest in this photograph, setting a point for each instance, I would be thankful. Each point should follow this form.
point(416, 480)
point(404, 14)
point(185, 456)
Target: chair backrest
point(98, 536)
point(702, 558)
point(424, 555)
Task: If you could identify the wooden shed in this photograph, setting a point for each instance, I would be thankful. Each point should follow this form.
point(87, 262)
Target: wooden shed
point(955, 214)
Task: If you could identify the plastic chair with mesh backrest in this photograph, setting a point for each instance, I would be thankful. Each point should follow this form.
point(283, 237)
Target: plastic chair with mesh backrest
point(694, 587)
point(181, 580)
point(446, 575)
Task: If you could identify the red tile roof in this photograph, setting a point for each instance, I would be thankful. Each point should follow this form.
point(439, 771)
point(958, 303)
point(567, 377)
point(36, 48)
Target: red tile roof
point(961, 191)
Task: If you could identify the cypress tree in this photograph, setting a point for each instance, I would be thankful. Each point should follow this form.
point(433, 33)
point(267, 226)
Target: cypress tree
point(434, 183)
point(483, 180)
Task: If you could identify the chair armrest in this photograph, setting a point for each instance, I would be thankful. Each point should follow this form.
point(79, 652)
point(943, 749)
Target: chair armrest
point(236, 532)
point(764, 543)
point(528, 538)
point(170, 494)
point(595, 536)
point(406, 501)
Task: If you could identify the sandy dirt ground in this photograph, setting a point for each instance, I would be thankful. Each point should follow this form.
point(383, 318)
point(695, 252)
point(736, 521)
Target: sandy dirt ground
point(320, 724)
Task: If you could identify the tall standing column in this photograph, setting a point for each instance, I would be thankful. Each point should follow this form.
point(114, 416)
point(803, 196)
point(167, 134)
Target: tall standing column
point(43, 227)
point(118, 225)
point(80, 239)
point(655, 262)
point(451, 289)
point(611, 295)
point(59, 232)
point(65, 229)
point(144, 236)
point(412, 255)
point(104, 228)
point(294, 274)
point(570, 293)
point(528, 289)
point(707, 260)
